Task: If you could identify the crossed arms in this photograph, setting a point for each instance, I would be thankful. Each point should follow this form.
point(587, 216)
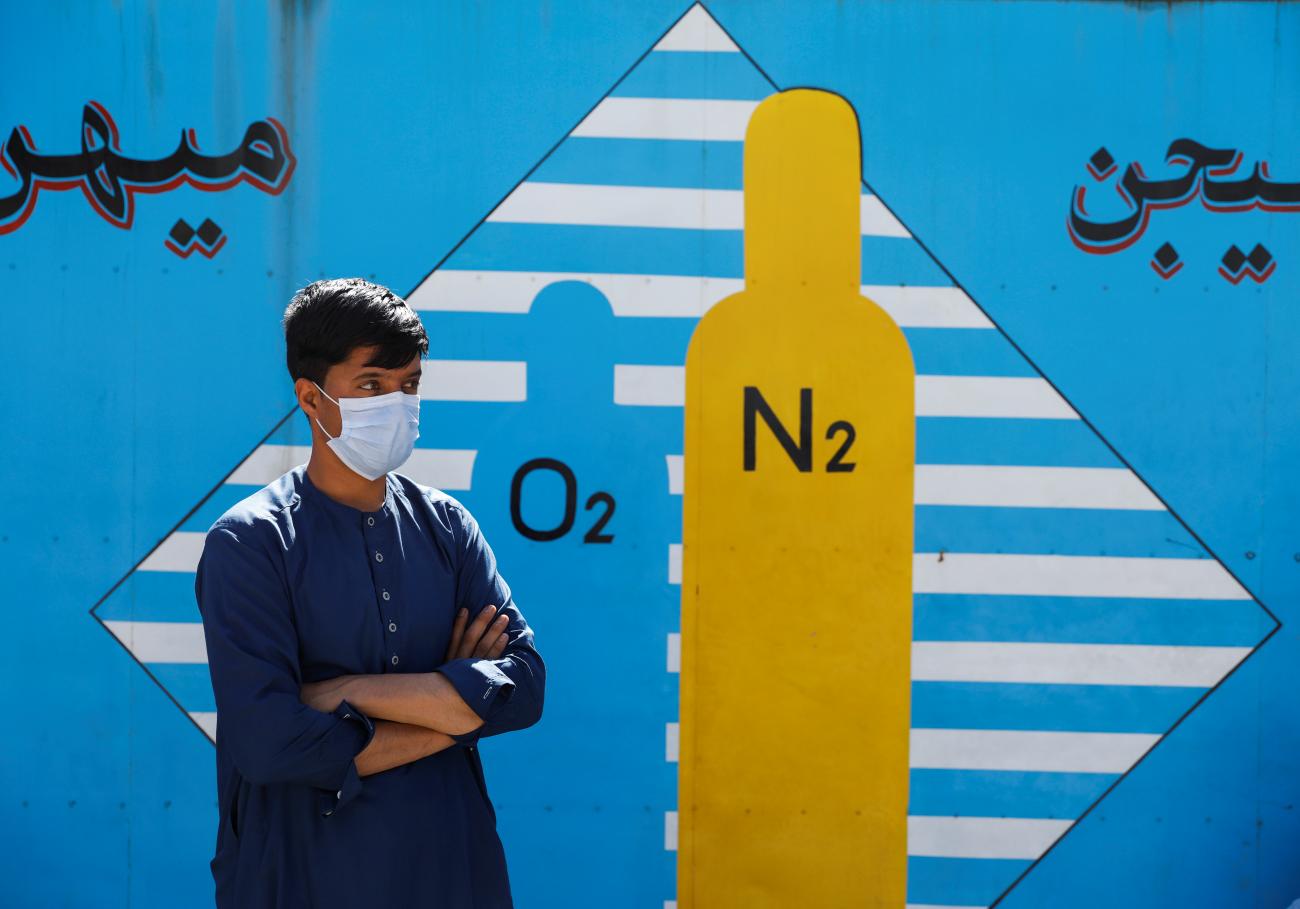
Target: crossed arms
point(327, 734)
point(415, 713)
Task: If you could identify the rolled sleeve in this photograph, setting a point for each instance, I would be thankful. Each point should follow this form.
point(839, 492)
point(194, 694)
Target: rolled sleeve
point(252, 648)
point(507, 692)
point(357, 729)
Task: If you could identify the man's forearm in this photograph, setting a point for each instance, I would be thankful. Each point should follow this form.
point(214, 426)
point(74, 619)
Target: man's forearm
point(419, 698)
point(395, 744)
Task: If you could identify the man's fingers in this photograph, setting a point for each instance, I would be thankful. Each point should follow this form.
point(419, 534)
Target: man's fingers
point(489, 639)
point(457, 632)
point(475, 631)
point(499, 647)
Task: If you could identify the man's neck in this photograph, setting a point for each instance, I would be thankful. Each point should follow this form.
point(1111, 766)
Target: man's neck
point(342, 484)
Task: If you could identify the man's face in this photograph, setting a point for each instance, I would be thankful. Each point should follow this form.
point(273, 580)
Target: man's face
point(354, 379)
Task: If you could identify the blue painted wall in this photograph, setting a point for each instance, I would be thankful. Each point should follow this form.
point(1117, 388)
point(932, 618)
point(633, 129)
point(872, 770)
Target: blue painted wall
point(137, 380)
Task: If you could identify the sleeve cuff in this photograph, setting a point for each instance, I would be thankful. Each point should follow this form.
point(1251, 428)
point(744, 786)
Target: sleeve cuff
point(361, 730)
point(480, 683)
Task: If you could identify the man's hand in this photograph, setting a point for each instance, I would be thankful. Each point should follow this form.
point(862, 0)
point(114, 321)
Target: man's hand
point(484, 638)
point(324, 695)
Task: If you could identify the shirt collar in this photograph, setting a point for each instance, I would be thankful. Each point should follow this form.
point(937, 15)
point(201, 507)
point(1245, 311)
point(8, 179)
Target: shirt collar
point(310, 492)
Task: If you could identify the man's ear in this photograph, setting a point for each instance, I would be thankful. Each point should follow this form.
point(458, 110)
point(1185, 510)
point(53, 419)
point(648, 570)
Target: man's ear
point(308, 397)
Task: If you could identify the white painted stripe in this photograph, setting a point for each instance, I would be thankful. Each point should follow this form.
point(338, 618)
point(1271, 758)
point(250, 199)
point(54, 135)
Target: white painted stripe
point(1075, 576)
point(622, 206)
point(696, 31)
point(1001, 749)
point(1033, 487)
point(649, 386)
point(1055, 575)
point(179, 551)
point(680, 208)
point(936, 396)
point(672, 742)
point(990, 396)
point(676, 478)
point(927, 307)
point(674, 563)
point(1072, 664)
point(450, 290)
point(674, 296)
point(268, 463)
point(474, 380)
point(162, 642)
point(441, 468)
point(982, 837)
point(1011, 487)
point(875, 220)
point(670, 831)
point(207, 720)
point(674, 651)
point(708, 120)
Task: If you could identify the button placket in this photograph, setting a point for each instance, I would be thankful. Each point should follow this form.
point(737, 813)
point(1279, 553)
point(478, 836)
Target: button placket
point(384, 593)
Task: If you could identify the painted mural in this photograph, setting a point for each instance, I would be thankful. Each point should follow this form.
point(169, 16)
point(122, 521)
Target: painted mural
point(1099, 541)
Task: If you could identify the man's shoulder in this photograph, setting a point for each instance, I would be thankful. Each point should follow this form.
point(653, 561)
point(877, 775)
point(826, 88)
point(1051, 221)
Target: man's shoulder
point(261, 511)
point(432, 494)
point(442, 503)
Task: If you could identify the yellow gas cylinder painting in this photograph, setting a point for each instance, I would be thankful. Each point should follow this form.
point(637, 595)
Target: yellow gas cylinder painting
point(797, 548)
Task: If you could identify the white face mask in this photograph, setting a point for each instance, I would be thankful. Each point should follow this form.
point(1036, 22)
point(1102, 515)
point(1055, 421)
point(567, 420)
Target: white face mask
point(378, 432)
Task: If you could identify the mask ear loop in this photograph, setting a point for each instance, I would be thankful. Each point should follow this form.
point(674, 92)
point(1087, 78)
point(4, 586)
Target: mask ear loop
point(317, 419)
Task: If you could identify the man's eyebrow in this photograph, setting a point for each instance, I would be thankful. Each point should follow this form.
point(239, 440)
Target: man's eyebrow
point(377, 373)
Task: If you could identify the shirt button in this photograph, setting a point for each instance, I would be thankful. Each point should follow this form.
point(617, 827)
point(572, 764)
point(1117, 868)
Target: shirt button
point(379, 556)
point(394, 659)
point(392, 626)
point(339, 794)
point(370, 520)
point(328, 813)
point(386, 596)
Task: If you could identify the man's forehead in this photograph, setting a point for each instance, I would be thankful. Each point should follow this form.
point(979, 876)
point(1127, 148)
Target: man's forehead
point(360, 359)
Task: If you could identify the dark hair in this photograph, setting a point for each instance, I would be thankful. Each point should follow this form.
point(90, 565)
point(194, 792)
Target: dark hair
point(327, 320)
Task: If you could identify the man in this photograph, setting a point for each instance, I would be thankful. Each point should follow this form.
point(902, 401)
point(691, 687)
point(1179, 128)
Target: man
point(360, 642)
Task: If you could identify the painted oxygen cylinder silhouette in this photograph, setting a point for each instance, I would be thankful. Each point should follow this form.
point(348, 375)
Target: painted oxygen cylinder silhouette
point(797, 548)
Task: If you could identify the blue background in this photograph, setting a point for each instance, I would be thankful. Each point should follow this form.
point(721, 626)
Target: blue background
point(135, 380)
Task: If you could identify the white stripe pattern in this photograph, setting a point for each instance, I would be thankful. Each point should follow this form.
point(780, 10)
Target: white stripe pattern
point(994, 574)
point(1075, 576)
point(1107, 488)
point(1005, 749)
point(1014, 662)
point(696, 31)
point(207, 720)
point(674, 563)
point(670, 296)
point(1048, 752)
point(1033, 487)
point(442, 468)
point(990, 396)
point(179, 551)
point(681, 208)
point(162, 642)
point(936, 396)
point(1073, 664)
point(706, 120)
point(474, 380)
point(982, 837)
point(957, 837)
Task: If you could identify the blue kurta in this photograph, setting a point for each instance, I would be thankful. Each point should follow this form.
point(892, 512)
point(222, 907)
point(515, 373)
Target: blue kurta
point(296, 587)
